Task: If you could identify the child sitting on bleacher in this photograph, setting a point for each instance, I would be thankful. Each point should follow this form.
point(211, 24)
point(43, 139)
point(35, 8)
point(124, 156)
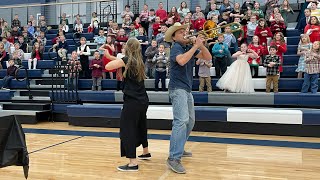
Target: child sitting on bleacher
point(94, 23)
point(63, 48)
point(17, 55)
point(96, 65)
point(220, 51)
point(78, 29)
point(11, 70)
point(149, 65)
point(272, 63)
point(36, 55)
point(133, 32)
point(65, 27)
point(278, 25)
point(43, 27)
point(3, 56)
point(121, 39)
point(252, 25)
point(304, 46)
point(37, 32)
point(43, 38)
point(311, 75)
point(84, 52)
point(23, 45)
point(100, 40)
point(160, 59)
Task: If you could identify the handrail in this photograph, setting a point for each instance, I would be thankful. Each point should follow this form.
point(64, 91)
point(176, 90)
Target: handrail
point(51, 4)
point(24, 79)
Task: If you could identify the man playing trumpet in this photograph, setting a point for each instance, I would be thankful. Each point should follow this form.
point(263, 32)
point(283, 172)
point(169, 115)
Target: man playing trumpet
point(182, 57)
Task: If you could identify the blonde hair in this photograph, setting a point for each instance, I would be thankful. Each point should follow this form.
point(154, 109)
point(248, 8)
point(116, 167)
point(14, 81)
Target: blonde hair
point(318, 50)
point(302, 36)
point(135, 65)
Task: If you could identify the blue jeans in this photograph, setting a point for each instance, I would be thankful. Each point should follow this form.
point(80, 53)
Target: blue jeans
point(183, 121)
point(310, 80)
point(6, 81)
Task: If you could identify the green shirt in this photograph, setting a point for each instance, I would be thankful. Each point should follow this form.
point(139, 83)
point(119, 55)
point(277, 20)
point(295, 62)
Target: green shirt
point(259, 12)
point(239, 33)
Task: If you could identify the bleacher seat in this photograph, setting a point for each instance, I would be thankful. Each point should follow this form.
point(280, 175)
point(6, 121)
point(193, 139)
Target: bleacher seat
point(16, 84)
point(32, 73)
point(42, 64)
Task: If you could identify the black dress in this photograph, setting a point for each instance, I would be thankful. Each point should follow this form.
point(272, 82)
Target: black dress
point(133, 120)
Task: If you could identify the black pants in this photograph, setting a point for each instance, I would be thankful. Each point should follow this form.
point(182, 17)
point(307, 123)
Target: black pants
point(158, 76)
point(254, 71)
point(133, 128)
point(220, 66)
point(119, 85)
point(85, 73)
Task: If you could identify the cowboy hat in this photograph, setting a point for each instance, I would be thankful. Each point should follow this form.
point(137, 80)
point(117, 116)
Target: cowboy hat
point(175, 27)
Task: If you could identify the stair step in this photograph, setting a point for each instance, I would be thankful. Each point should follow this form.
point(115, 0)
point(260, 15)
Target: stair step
point(34, 98)
point(49, 82)
point(27, 106)
point(35, 93)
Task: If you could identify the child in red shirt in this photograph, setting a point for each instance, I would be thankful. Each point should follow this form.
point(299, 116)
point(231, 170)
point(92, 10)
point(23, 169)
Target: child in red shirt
point(278, 40)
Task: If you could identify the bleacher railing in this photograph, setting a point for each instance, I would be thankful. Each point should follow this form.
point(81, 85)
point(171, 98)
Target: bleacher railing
point(64, 85)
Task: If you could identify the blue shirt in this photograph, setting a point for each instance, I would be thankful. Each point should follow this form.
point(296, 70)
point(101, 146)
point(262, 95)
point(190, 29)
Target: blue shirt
point(181, 77)
point(217, 47)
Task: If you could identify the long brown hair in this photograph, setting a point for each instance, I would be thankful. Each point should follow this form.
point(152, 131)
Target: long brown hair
point(135, 65)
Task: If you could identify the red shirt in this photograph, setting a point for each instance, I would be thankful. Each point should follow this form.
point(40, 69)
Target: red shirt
point(106, 61)
point(259, 50)
point(315, 35)
point(118, 40)
point(277, 27)
point(198, 24)
point(10, 39)
point(262, 39)
point(162, 14)
point(282, 48)
point(136, 26)
point(155, 28)
point(37, 55)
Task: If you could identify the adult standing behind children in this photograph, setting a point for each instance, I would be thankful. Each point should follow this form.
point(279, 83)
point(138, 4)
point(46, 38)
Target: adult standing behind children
point(133, 120)
point(181, 79)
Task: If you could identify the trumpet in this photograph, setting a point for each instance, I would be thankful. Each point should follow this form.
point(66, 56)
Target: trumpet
point(210, 29)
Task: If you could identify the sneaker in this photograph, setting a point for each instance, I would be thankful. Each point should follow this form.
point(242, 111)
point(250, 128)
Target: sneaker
point(128, 168)
point(145, 156)
point(187, 154)
point(176, 166)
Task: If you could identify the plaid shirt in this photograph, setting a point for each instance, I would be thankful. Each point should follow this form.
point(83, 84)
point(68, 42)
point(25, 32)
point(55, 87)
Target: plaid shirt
point(161, 62)
point(74, 68)
point(312, 61)
point(16, 23)
point(275, 69)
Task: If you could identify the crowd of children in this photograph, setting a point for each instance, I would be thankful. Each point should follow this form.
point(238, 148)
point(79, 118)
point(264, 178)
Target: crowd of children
point(150, 28)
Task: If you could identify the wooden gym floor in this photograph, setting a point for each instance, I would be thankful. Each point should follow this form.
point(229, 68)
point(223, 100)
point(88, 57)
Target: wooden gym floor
point(62, 152)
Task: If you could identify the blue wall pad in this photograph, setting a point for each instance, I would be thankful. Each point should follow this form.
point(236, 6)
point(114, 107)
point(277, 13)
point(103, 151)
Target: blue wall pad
point(6, 95)
point(108, 111)
point(211, 113)
point(311, 117)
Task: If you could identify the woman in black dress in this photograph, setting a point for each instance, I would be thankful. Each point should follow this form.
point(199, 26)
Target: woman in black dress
point(133, 121)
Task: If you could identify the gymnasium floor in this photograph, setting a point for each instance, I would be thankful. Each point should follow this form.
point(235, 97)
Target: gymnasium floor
point(62, 152)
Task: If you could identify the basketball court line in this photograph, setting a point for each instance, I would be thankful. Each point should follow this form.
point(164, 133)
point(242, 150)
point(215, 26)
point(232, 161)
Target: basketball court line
point(219, 140)
point(57, 144)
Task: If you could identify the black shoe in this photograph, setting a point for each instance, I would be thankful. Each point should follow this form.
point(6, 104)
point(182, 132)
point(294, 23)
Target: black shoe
point(145, 156)
point(128, 168)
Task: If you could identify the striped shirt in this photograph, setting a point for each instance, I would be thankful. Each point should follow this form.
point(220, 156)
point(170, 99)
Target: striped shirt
point(161, 62)
point(312, 60)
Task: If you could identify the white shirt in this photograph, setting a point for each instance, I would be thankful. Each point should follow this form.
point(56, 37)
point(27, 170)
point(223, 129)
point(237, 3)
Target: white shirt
point(78, 26)
point(81, 48)
point(65, 28)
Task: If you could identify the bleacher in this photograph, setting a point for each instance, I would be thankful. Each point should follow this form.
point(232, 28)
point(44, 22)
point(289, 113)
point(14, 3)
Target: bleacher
point(212, 109)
